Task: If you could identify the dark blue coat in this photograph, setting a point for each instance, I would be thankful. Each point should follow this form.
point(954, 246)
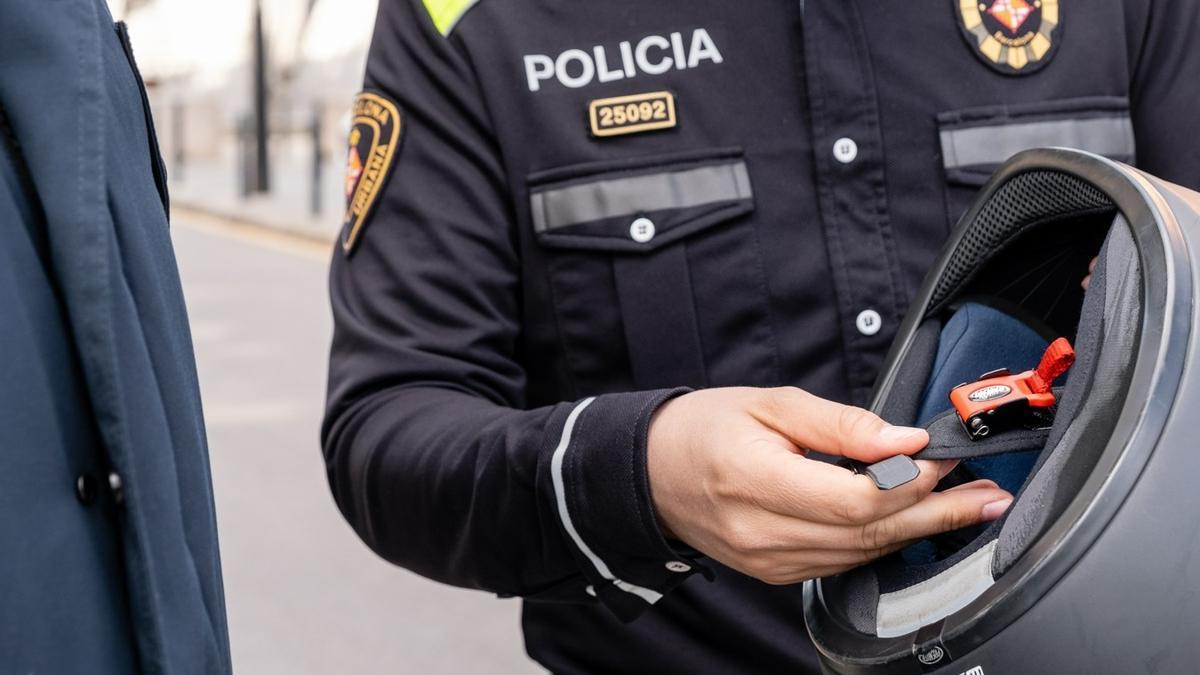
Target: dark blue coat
point(108, 547)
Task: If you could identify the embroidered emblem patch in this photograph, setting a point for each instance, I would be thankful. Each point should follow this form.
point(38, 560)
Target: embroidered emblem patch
point(1015, 37)
point(375, 135)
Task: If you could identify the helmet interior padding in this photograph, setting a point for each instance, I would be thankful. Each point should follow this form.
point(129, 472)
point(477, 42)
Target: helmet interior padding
point(894, 597)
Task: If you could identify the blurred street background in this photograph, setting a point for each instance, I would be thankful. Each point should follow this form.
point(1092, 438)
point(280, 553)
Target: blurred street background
point(251, 104)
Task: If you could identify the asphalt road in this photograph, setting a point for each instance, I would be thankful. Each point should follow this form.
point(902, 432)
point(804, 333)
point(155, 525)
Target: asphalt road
point(304, 595)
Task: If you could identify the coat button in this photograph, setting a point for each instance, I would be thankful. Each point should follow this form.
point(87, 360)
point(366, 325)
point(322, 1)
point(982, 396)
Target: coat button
point(845, 150)
point(676, 566)
point(115, 487)
point(85, 488)
point(641, 230)
point(868, 322)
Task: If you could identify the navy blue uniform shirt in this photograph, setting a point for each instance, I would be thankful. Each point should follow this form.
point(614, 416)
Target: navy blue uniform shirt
point(561, 213)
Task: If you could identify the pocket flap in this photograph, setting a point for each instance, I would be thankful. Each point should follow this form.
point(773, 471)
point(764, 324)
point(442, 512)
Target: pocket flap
point(641, 206)
point(976, 141)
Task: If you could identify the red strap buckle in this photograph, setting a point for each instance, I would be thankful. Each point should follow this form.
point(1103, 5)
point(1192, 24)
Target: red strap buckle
point(1058, 359)
point(999, 400)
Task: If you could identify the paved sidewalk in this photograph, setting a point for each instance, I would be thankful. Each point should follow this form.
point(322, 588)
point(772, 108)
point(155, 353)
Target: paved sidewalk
point(304, 595)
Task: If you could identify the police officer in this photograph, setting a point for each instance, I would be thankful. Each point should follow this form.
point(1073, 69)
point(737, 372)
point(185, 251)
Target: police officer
point(108, 549)
point(573, 230)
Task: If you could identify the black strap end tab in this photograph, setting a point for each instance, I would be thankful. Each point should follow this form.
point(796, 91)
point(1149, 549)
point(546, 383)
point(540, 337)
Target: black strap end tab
point(889, 474)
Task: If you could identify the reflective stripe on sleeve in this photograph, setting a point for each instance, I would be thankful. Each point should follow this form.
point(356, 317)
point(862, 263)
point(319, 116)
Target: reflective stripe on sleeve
point(560, 498)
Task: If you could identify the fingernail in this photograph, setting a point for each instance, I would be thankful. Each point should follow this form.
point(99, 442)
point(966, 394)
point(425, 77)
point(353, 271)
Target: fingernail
point(996, 509)
point(893, 434)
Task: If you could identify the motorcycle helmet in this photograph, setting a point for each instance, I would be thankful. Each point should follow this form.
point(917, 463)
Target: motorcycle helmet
point(1096, 565)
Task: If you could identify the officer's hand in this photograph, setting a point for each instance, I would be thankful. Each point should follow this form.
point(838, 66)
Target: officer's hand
point(1087, 281)
point(728, 477)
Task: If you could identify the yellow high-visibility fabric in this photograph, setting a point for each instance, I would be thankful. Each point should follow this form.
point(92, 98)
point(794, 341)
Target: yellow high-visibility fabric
point(446, 13)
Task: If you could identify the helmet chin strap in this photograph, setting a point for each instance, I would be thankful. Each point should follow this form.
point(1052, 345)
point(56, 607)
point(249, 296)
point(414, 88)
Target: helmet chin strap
point(1000, 413)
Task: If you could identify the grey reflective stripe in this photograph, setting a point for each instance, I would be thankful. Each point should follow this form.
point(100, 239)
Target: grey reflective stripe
point(906, 610)
point(1110, 136)
point(614, 197)
point(560, 498)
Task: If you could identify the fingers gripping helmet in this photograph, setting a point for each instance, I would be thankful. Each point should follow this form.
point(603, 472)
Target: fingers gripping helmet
point(1096, 565)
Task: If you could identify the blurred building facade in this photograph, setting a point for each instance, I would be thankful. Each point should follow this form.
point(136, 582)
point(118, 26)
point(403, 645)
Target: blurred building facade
point(199, 61)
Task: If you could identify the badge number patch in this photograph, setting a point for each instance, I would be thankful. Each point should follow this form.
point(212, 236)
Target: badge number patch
point(375, 134)
point(1015, 37)
point(632, 114)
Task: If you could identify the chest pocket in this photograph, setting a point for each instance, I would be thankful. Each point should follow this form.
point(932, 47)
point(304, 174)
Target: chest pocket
point(655, 271)
point(976, 141)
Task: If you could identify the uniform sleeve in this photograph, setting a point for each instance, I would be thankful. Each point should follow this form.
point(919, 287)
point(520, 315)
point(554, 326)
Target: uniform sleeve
point(431, 453)
point(1166, 88)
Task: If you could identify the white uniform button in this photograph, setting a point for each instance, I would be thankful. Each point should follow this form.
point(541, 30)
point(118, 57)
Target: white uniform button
point(642, 230)
point(845, 150)
point(590, 590)
point(676, 566)
point(868, 322)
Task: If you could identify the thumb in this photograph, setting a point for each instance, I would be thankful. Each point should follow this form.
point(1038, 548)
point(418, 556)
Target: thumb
point(835, 429)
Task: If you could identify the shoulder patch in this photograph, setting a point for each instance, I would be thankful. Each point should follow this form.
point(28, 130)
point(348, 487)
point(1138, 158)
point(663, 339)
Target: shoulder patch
point(375, 134)
point(446, 13)
point(1014, 37)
